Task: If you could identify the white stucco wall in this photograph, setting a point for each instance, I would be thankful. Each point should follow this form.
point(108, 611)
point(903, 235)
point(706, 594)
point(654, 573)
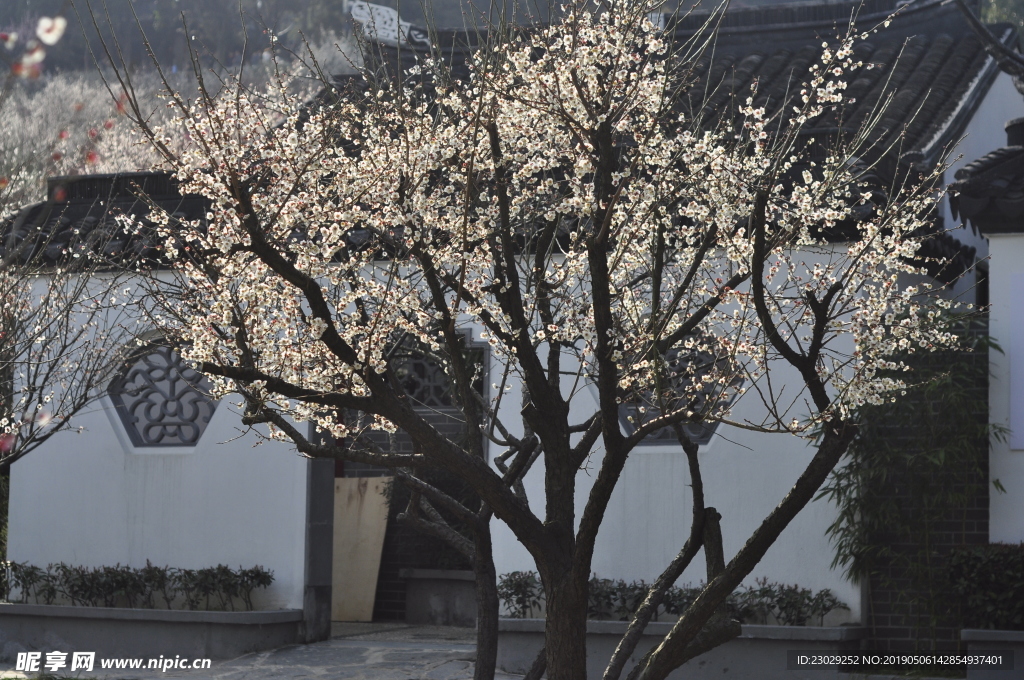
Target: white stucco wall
point(984, 134)
point(1006, 387)
point(93, 499)
point(746, 474)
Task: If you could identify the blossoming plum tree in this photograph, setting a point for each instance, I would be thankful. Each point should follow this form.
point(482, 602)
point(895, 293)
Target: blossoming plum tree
point(568, 204)
point(61, 332)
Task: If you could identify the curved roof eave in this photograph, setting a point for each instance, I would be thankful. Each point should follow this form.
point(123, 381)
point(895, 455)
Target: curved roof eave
point(950, 130)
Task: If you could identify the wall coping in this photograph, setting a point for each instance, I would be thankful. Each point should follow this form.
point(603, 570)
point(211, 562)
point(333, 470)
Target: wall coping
point(441, 574)
point(662, 628)
point(254, 618)
point(979, 635)
point(826, 633)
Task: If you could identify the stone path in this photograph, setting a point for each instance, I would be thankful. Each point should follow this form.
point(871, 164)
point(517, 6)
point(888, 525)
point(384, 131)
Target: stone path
point(354, 652)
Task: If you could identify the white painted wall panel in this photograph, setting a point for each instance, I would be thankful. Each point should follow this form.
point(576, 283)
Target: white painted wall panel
point(93, 499)
point(1006, 387)
point(85, 499)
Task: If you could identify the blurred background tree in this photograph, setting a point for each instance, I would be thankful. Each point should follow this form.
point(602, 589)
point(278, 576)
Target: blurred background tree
point(214, 27)
point(1009, 11)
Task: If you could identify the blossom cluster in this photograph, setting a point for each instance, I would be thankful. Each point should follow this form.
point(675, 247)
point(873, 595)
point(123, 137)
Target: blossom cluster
point(66, 124)
point(558, 200)
point(49, 31)
point(62, 336)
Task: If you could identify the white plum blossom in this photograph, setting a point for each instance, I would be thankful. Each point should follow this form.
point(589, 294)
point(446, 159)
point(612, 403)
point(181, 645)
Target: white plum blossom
point(49, 30)
point(532, 124)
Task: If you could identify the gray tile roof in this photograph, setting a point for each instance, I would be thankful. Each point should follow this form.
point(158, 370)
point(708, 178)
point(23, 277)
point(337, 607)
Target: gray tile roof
point(80, 214)
point(928, 60)
point(989, 192)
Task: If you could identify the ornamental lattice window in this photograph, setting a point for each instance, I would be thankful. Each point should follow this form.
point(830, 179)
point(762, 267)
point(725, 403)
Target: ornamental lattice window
point(683, 366)
point(160, 400)
point(425, 383)
point(429, 389)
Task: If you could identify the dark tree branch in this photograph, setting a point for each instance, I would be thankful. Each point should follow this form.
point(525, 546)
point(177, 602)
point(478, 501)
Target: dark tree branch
point(246, 375)
point(656, 594)
point(439, 529)
point(672, 651)
point(539, 665)
point(803, 363)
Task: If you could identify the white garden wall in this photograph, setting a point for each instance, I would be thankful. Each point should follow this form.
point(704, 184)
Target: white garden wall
point(746, 474)
point(94, 499)
point(89, 499)
point(1006, 387)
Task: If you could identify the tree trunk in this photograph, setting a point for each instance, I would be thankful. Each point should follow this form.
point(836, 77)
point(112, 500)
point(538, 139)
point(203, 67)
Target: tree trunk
point(487, 607)
point(565, 629)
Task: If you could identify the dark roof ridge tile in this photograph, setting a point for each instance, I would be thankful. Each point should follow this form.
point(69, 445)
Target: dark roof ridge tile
point(999, 161)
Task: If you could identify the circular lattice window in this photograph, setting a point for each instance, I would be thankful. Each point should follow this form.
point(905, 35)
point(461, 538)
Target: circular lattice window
point(160, 400)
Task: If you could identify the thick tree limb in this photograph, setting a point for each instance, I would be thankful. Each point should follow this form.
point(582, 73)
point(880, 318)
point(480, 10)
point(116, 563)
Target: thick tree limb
point(672, 651)
point(656, 594)
point(460, 511)
point(539, 665)
point(304, 446)
point(443, 531)
point(246, 374)
point(583, 447)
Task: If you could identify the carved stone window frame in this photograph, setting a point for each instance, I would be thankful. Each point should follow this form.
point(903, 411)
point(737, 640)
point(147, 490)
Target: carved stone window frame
point(151, 371)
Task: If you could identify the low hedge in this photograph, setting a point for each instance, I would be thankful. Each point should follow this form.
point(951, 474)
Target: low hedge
point(787, 605)
point(149, 587)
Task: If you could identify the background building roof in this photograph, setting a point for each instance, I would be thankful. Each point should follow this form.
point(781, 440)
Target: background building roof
point(989, 192)
point(80, 214)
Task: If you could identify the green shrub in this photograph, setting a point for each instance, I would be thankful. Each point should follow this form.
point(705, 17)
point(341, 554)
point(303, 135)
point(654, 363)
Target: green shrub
point(158, 581)
point(214, 587)
point(521, 591)
point(788, 605)
point(250, 579)
point(188, 586)
point(989, 582)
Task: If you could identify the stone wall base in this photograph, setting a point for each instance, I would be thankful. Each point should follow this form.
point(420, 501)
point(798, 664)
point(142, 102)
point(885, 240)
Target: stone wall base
point(144, 633)
point(760, 651)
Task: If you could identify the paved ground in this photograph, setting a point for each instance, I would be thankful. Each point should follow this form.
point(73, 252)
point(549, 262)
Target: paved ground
point(354, 652)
